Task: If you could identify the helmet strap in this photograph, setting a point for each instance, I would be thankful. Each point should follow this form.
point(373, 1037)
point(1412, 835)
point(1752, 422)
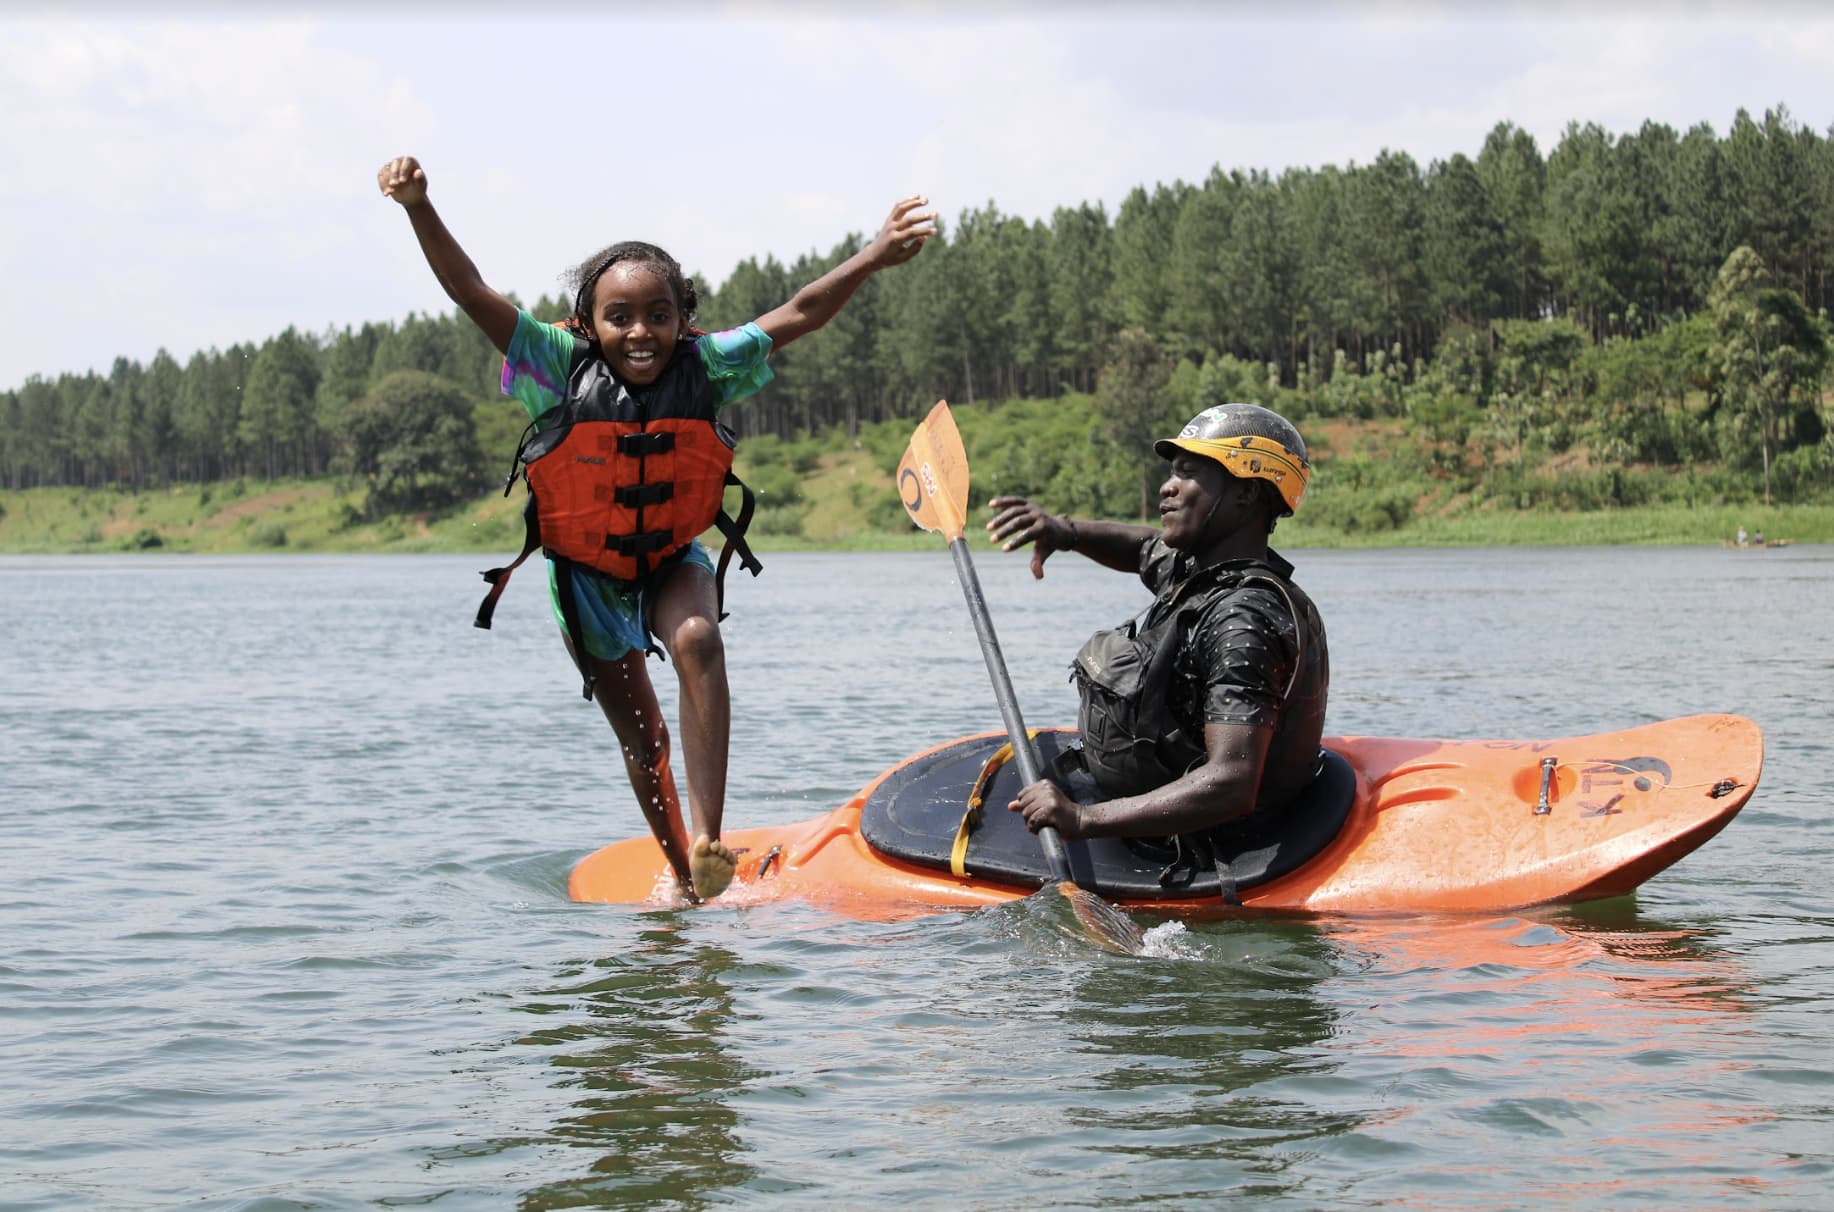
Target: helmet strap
point(1230, 483)
point(1215, 505)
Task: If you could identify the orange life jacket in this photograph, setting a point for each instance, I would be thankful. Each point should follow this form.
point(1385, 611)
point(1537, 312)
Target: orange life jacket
point(624, 479)
point(621, 493)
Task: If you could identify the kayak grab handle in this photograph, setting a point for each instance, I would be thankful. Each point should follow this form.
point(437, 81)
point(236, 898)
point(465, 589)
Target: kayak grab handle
point(1542, 806)
point(770, 858)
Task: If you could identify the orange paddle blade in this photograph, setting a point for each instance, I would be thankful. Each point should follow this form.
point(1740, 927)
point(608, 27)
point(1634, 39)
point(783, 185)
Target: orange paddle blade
point(933, 475)
point(1104, 924)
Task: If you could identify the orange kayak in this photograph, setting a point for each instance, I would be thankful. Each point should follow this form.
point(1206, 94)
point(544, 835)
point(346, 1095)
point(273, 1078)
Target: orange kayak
point(1391, 826)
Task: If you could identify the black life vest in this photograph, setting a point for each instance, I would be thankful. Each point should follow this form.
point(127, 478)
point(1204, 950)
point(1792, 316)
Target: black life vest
point(1132, 741)
point(624, 479)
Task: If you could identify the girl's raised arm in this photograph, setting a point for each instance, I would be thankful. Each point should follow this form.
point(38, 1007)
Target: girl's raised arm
point(901, 238)
point(403, 180)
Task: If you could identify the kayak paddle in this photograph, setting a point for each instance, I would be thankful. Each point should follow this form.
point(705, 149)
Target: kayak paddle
point(933, 484)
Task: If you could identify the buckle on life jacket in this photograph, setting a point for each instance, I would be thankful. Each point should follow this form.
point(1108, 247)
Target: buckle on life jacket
point(659, 441)
point(636, 496)
point(641, 544)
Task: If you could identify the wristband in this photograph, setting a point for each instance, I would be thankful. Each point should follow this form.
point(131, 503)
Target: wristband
point(1067, 520)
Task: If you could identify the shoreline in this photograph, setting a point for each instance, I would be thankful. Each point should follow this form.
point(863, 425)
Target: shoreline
point(920, 542)
point(318, 517)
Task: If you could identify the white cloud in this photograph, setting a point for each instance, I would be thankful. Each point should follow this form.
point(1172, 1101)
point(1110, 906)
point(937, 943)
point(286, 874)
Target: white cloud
point(187, 183)
point(201, 181)
point(223, 117)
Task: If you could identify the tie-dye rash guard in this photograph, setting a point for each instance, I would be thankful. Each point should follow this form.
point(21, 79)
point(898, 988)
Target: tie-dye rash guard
point(612, 612)
point(535, 369)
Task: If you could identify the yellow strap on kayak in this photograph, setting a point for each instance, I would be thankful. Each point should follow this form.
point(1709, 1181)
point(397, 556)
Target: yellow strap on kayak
point(971, 819)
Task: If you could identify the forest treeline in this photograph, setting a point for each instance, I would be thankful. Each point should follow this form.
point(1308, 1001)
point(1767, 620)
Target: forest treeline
point(1657, 297)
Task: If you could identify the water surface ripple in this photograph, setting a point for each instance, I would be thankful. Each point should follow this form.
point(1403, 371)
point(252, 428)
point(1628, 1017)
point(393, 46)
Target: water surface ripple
point(283, 856)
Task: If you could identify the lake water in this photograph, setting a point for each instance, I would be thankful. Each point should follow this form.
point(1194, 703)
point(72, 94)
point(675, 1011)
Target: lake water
point(283, 917)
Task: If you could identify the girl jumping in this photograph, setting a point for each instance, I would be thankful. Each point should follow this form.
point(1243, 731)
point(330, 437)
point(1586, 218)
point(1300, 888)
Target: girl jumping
point(625, 427)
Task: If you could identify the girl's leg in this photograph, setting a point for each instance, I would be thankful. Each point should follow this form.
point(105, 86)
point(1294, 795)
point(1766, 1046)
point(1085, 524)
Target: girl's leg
point(684, 613)
point(627, 698)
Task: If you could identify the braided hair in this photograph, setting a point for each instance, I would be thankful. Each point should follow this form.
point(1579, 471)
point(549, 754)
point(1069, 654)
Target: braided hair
point(585, 279)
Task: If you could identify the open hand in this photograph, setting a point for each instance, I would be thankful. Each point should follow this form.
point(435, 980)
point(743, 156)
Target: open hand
point(403, 180)
point(1020, 520)
point(905, 231)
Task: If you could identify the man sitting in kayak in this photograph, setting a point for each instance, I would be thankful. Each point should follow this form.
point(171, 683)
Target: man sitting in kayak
point(1206, 710)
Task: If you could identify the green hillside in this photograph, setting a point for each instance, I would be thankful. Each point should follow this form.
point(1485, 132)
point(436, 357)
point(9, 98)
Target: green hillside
point(1375, 483)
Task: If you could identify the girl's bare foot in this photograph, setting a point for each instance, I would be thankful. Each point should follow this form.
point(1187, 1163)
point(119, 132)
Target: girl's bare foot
point(712, 866)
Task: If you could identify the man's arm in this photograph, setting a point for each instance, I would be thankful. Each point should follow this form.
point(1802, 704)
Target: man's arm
point(1019, 520)
point(1216, 792)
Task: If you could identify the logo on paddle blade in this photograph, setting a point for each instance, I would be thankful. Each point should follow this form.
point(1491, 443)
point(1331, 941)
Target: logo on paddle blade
point(909, 489)
point(929, 480)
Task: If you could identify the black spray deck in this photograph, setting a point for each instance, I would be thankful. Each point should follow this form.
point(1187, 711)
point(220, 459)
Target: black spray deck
point(915, 815)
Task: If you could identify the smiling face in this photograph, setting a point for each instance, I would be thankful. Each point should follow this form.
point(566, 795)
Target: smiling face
point(637, 321)
point(1200, 499)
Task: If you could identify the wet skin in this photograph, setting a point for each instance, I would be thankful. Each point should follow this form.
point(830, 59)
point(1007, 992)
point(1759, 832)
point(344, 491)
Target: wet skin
point(1210, 515)
point(1207, 513)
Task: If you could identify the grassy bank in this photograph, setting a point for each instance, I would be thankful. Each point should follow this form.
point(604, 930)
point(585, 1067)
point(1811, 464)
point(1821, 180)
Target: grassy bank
point(1646, 525)
point(844, 503)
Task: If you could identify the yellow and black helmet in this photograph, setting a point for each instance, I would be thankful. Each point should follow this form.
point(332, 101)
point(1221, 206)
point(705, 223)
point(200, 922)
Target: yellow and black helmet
point(1249, 441)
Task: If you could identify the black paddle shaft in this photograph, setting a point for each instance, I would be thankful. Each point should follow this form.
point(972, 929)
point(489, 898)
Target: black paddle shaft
point(1054, 854)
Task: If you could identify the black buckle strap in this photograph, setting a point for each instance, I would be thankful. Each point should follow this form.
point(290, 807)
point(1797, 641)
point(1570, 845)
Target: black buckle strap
point(642, 544)
point(1191, 852)
point(515, 463)
point(659, 441)
point(635, 496)
point(1225, 879)
point(733, 531)
point(576, 628)
point(499, 577)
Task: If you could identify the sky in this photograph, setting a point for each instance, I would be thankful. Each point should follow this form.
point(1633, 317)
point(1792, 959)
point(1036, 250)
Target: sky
point(187, 177)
